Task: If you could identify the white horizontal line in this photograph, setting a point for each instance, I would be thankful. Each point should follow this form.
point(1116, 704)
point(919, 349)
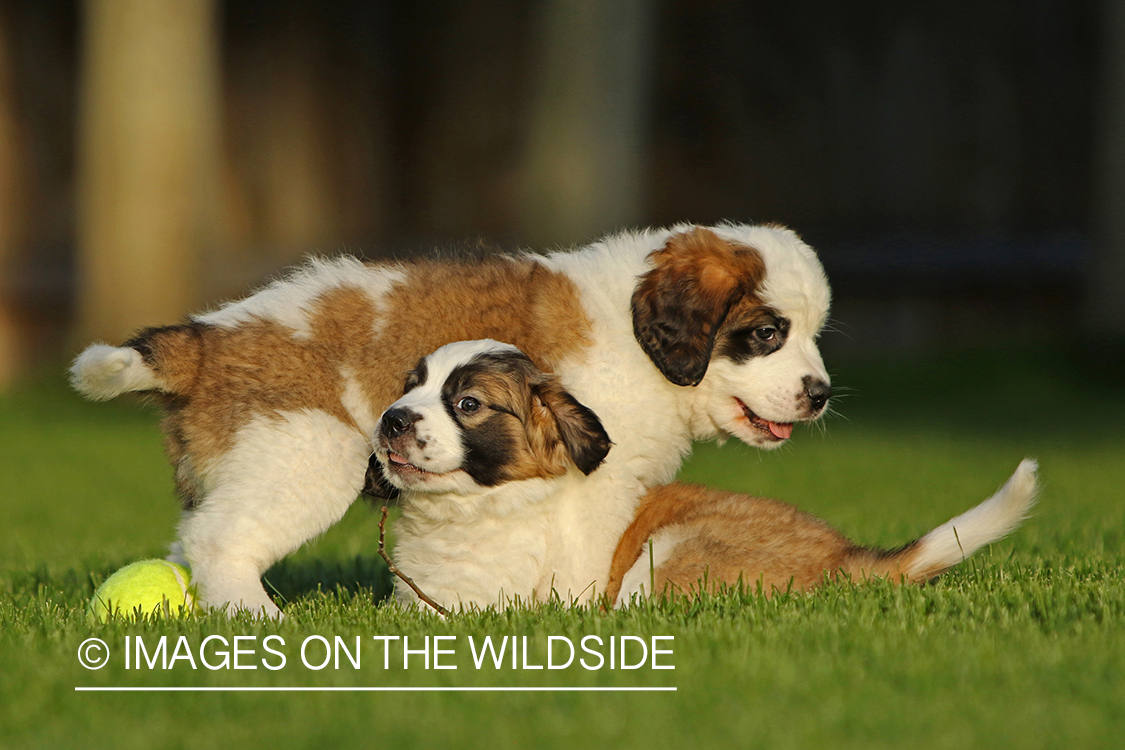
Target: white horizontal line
point(188, 689)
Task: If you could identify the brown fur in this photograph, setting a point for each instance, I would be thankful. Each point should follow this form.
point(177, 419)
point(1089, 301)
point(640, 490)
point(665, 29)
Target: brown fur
point(733, 537)
point(680, 305)
point(254, 370)
point(526, 414)
point(514, 417)
point(218, 378)
point(563, 431)
point(537, 448)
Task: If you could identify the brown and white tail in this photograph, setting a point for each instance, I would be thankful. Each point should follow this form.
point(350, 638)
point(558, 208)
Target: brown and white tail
point(103, 372)
point(164, 358)
point(953, 541)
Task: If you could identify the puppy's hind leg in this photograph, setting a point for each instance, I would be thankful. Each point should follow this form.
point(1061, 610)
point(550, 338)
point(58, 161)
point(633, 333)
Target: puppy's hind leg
point(288, 478)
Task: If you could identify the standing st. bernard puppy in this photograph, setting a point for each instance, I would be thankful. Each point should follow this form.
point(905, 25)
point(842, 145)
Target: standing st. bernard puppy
point(272, 402)
point(480, 432)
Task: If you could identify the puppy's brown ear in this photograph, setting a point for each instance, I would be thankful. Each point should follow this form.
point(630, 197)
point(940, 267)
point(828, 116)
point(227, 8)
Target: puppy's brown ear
point(680, 304)
point(560, 421)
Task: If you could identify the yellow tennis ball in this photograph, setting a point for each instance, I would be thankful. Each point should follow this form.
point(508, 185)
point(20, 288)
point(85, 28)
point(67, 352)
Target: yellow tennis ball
point(155, 588)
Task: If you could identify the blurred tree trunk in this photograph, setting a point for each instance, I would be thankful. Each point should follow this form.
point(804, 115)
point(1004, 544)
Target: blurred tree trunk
point(10, 208)
point(148, 158)
point(304, 132)
point(585, 171)
point(1106, 301)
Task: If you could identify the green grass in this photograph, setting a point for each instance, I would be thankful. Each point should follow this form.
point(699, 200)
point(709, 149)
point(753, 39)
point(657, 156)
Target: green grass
point(1022, 646)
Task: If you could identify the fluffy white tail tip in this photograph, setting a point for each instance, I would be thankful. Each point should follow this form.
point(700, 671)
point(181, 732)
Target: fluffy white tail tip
point(103, 372)
point(996, 517)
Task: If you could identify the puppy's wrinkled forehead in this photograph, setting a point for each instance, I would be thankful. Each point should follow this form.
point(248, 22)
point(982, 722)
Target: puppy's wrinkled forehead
point(463, 365)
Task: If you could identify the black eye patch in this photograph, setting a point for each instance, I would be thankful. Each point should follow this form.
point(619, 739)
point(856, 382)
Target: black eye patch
point(489, 435)
point(489, 450)
point(758, 334)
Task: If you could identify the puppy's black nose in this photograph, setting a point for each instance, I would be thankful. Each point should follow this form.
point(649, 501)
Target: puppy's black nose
point(397, 421)
point(818, 392)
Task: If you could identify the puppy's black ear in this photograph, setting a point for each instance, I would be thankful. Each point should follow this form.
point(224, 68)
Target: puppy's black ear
point(375, 485)
point(680, 304)
point(578, 428)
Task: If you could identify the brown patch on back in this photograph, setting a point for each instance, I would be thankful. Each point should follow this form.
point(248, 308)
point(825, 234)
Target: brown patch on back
point(730, 537)
point(679, 306)
point(175, 352)
point(514, 300)
point(221, 378)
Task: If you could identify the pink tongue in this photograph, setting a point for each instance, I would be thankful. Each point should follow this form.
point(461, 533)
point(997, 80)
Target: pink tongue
point(781, 431)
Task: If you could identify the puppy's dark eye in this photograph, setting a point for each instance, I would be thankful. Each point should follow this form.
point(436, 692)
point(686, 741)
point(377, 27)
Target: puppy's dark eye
point(468, 404)
point(765, 333)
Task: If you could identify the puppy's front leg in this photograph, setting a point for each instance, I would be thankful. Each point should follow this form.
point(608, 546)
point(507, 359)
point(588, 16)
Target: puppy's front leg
point(288, 478)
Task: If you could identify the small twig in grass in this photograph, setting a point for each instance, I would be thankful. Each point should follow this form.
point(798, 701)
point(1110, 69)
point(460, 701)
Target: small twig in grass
point(394, 568)
point(573, 599)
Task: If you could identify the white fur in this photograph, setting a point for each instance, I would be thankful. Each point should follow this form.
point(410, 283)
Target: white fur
point(258, 505)
point(953, 541)
point(491, 552)
point(287, 301)
point(103, 372)
point(522, 541)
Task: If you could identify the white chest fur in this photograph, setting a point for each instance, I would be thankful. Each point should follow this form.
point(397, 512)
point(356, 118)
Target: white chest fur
point(525, 541)
point(487, 550)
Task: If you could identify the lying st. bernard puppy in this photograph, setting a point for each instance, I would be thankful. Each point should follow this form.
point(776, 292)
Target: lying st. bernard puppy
point(480, 429)
point(272, 402)
point(484, 450)
point(686, 538)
